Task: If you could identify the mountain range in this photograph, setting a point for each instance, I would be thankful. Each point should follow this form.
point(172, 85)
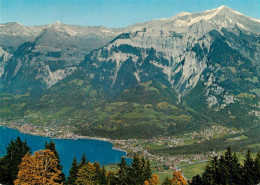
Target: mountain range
point(162, 77)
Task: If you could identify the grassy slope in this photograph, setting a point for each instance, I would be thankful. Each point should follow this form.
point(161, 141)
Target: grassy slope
point(190, 170)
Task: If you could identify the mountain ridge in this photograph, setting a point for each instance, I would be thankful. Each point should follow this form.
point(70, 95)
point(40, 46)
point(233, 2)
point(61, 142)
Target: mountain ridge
point(174, 49)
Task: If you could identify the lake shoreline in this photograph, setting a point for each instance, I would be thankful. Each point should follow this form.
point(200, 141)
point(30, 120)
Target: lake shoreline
point(98, 150)
point(75, 137)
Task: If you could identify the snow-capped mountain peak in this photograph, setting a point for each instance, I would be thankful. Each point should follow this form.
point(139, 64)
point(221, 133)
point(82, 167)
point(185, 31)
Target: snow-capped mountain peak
point(221, 17)
point(58, 23)
point(218, 18)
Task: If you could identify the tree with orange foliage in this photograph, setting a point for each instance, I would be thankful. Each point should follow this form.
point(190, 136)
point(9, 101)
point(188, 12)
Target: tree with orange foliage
point(40, 168)
point(178, 178)
point(152, 181)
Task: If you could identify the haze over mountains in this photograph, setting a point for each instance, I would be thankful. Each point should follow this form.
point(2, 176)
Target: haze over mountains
point(204, 65)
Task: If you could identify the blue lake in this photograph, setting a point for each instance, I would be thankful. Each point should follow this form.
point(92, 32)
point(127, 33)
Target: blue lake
point(94, 150)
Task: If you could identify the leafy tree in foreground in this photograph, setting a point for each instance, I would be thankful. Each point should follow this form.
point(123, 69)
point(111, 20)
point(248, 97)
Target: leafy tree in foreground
point(16, 150)
point(40, 168)
point(178, 178)
point(152, 181)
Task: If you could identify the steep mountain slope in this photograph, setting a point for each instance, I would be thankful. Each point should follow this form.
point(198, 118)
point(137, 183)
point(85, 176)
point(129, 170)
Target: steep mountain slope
point(39, 56)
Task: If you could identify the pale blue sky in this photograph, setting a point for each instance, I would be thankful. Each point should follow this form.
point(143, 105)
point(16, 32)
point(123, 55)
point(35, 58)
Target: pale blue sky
point(111, 13)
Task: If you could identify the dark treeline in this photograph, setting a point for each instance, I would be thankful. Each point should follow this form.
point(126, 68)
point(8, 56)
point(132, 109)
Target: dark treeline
point(15, 151)
point(19, 166)
point(85, 172)
point(227, 170)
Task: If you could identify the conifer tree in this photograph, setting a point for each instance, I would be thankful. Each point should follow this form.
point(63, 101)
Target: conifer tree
point(227, 164)
point(228, 169)
point(136, 171)
point(97, 171)
point(111, 178)
point(196, 180)
point(51, 146)
point(102, 177)
point(123, 172)
point(83, 160)
point(210, 171)
point(248, 169)
point(143, 170)
point(235, 170)
point(148, 170)
point(71, 180)
point(9, 163)
point(222, 175)
point(257, 168)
